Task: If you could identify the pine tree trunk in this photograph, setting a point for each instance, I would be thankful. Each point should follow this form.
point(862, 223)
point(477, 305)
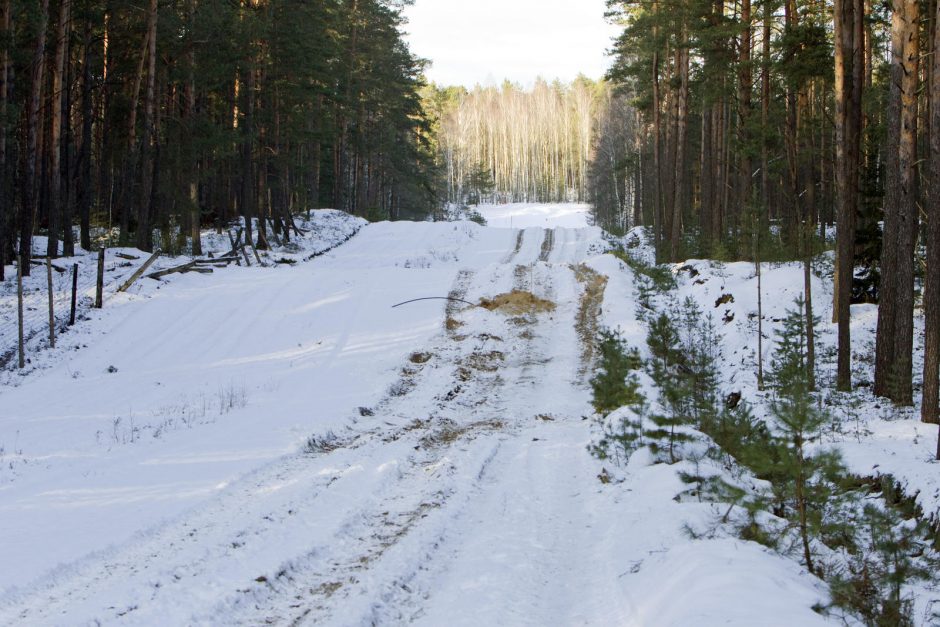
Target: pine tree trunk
point(765, 112)
point(848, 86)
point(129, 165)
point(56, 212)
point(33, 121)
point(195, 219)
point(85, 191)
point(801, 507)
point(144, 237)
point(657, 157)
point(930, 411)
point(745, 186)
point(682, 126)
point(6, 192)
point(894, 343)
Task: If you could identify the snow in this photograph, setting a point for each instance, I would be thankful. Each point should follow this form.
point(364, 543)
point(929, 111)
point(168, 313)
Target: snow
point(874, 436)
point(522, 215)
point(156, 466)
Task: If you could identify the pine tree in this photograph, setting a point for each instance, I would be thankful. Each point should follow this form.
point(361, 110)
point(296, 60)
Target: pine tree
point(614, 385)
point(617, 397)
point(668, 368)
point(801, 475)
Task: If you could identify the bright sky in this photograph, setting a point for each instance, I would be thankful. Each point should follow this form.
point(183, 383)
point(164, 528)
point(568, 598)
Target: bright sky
point(483, 41)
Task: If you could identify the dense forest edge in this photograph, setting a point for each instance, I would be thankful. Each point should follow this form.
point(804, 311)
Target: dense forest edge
point(143, 124)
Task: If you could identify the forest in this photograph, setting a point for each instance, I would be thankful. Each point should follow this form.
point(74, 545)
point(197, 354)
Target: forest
point(512, 144)
point(733, 129)
point(772, 130)
point(138, 122)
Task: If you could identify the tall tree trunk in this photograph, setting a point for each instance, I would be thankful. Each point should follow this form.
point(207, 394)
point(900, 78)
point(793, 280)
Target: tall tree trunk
point(765, 111)
point(144, 236)
point(56, 212)
point(848, 87)
point(682, 125)
point(189, 113)
point(6, 192)
point(129, 165)
point(894, 344)
point(33, 120)
point(657, 156)
point(930, 407)
point(85, 191)
point(745, 186)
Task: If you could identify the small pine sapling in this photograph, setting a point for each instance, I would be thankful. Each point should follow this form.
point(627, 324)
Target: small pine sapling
point(668, 368)
point(700, 346)
point(803, 477)
point(615, 387)
point(890, 556)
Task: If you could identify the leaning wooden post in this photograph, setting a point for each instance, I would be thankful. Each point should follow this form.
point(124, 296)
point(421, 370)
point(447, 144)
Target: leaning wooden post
point(19, 298)
point(99, 292)
point(51, 302)
point(140, 271)
point(74, 294)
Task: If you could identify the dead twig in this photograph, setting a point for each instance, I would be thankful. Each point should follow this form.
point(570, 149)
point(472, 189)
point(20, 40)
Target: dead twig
point(459, 300)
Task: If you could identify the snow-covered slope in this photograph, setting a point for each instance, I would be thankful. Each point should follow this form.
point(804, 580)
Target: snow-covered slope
point(282, 445)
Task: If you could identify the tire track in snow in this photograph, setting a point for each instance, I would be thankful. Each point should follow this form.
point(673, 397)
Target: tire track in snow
point(366, 525)
point(311, 592)
point(466, 410)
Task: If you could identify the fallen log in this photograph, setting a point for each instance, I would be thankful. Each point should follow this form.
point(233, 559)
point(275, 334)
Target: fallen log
point(41, 262)
point(126, 256)
point(139, 272)
point(183, 269)
point(218, 260)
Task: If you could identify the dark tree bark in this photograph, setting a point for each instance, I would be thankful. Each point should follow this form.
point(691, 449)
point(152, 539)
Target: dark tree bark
point(33, 121)
point(85, 191)
point(6, 192)
point(682, 125)
point(894, 344)
point(189, 113)
point(57, 214)
point(848, 87)
point(930, 412)
point(144, 237)
point(744, 108)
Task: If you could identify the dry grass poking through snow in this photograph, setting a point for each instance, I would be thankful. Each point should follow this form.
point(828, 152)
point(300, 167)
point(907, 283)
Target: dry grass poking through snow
point(517, 303)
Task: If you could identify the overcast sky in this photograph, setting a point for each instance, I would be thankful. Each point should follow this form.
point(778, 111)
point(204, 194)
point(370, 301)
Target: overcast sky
point(481, 41)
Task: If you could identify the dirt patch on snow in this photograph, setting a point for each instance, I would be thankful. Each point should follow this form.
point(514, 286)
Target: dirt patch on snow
point(547, 245)
point(449, 432)
point(487, 362)
point(589, 310)
point(517, 303)
point(420, 358)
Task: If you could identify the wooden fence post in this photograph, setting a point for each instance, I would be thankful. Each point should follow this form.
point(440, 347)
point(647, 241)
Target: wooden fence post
point(99, 292)
point(19, 298)
point(140, 271)
point(51, 302)
point(74, 294)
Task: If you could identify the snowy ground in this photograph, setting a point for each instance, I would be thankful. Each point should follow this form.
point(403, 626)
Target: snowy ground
point(520, 215)
point(873, 436)
point(281, 445)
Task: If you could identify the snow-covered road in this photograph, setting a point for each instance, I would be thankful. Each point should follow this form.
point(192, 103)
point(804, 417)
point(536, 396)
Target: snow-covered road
point(446, 480)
